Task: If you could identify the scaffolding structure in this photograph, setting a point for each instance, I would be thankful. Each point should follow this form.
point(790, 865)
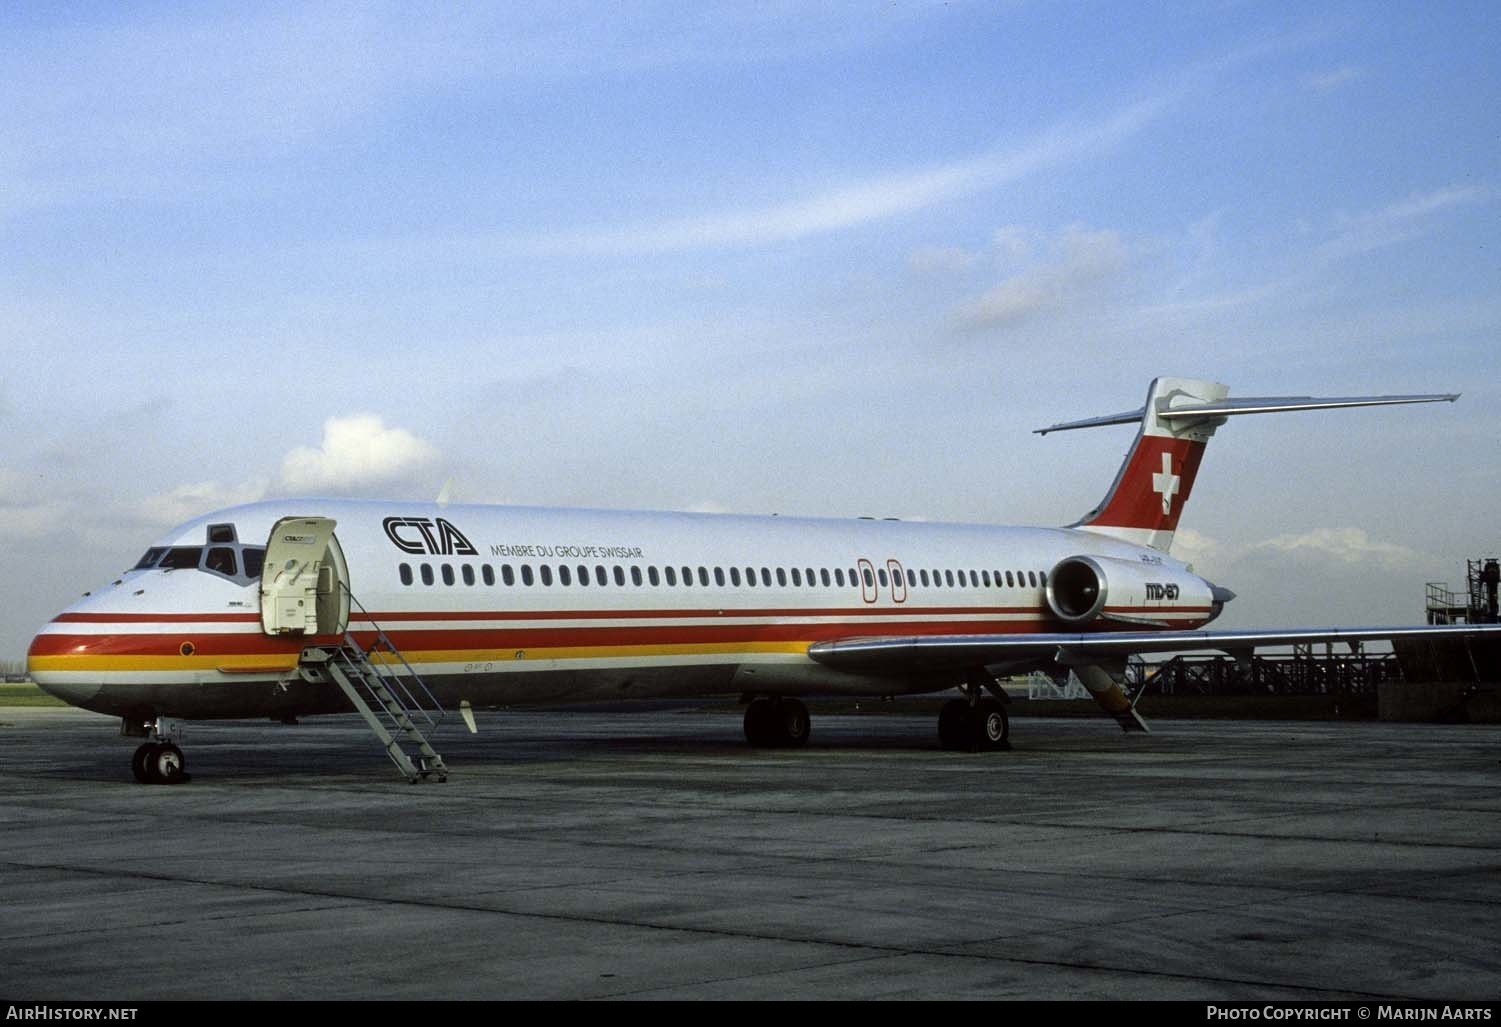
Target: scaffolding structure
point(1304, 672)
point(1476, 604)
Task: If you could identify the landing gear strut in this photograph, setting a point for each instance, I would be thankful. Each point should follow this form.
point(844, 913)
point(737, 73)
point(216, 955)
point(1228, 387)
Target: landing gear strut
point(974, 723)
point(158, 762)
point(777, 723)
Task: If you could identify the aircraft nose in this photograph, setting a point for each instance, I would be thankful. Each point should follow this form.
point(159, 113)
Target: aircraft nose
point(52, 664)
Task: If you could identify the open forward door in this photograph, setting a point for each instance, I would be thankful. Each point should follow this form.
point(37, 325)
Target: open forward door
point(305, 582)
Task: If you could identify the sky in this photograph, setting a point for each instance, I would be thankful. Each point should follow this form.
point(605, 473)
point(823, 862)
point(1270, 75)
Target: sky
point(827, 259)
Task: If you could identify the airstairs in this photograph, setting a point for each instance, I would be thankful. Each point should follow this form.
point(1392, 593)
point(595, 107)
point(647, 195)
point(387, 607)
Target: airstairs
point(392, 698)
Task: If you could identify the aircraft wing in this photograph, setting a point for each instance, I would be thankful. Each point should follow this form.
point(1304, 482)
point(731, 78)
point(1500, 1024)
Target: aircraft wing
point(897, 655)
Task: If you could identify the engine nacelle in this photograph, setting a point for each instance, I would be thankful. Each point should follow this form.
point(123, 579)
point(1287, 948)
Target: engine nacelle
point(1085, 588)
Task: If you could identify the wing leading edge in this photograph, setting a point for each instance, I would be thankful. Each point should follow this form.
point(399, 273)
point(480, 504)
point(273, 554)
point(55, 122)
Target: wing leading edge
point(897, 655)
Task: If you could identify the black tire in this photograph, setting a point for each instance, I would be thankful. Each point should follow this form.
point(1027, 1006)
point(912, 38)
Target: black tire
point(166, 765)
point(777, 724)
point(991, 726)
point(758, 723)
point(793, 724)
point(139, 763)
point(954, 731)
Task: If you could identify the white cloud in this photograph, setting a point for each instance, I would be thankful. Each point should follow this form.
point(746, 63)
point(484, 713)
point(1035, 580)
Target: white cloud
point(185, 502)
point(1081, 259)
point(356, 452)
point(1331, 80)
point(856, 203)
point(1397, 222)
point(1345, 545)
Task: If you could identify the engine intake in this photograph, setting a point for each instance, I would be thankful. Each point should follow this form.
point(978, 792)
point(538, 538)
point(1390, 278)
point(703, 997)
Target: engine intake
point(1082, 589)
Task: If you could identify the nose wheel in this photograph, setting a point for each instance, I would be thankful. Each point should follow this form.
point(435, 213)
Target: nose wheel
point(159, 763)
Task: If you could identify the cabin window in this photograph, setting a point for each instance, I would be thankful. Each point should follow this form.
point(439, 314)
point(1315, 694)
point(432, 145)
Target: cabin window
point(507, 576)
point(671, 574)
point(652, 577)
point(447, 572)
point(526, 574)
point(468, 573)
point(488, 574)
point(719, 576)
point(427, 574)
point(565, 577)
point(583, 575)
point(405, 572)
point(735, 576)
point(750, 576)
point(1032, 578)
point(545, 573)
point(797, 577)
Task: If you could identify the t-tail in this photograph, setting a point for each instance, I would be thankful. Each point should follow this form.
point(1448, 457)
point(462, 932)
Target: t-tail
point(1176, 422)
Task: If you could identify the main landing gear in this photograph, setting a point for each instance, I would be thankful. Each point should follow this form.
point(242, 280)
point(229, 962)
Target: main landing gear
point(157, 762)
point(977, 722)
point(777, 723)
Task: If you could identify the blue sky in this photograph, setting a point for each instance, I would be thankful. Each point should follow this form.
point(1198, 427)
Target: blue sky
point(826, 259)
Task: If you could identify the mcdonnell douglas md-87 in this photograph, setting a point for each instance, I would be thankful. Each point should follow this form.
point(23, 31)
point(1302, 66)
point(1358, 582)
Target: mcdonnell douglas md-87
point(290, 608)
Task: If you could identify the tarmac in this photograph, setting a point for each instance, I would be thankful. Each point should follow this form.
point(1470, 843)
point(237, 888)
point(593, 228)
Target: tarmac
point(652, 854)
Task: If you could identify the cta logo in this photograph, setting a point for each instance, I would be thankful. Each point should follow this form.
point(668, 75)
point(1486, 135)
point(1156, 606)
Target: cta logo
point(424, 535)
point(1156, 590)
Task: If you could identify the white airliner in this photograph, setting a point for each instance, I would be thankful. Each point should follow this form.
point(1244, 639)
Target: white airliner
point(291, 608)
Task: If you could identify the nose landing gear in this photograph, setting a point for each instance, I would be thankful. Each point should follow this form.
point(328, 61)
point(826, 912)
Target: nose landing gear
point(157, 762)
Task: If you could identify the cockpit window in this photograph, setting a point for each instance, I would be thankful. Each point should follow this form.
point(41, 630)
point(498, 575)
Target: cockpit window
point(149, 560)
point(181, 557)
point(221, 560)
point(228, 559)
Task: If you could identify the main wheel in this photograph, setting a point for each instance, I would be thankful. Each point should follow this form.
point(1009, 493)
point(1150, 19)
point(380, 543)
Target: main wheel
point(992, 727)
point(954, 732)
point(777, 723)
point(793, 723)
point(758, 723)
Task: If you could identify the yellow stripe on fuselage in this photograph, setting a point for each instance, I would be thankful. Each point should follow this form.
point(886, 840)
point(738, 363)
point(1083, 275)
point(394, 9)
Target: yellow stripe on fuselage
point(106, 664)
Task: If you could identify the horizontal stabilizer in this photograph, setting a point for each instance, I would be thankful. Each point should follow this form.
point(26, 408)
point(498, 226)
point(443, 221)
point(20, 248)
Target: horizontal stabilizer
point(1257, 405)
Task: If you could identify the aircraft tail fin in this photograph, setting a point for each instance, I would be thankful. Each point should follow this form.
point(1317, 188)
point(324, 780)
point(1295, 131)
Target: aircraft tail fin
point(1176, 422)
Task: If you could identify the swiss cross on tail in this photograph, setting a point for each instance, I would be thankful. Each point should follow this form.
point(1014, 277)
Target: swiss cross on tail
point(1177, 420)
point(1165, 484)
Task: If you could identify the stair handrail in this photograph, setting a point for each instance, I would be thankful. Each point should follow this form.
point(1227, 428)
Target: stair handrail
point(394, 677)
